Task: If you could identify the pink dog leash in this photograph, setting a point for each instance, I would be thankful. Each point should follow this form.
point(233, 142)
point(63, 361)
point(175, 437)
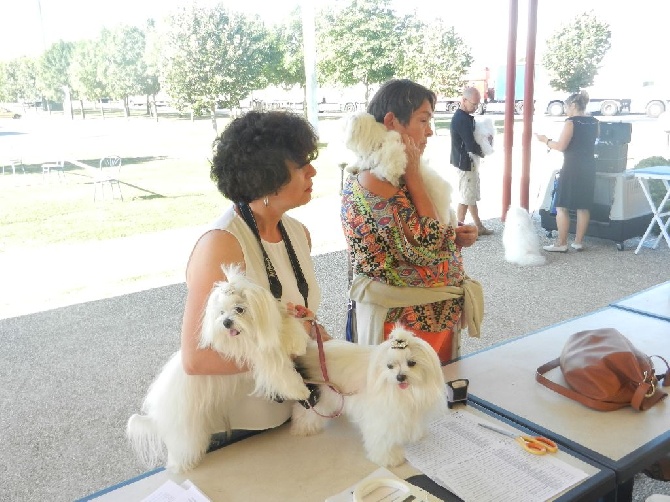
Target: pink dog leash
point(324, 371)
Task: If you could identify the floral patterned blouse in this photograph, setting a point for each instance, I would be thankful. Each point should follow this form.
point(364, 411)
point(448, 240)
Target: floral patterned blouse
point(378, 249)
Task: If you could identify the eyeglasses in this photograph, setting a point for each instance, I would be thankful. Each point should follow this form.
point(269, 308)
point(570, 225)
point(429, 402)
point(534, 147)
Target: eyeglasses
point(476, 103)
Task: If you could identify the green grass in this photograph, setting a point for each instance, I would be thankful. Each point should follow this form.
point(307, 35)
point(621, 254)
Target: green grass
point(161, 190)
point(159, 193)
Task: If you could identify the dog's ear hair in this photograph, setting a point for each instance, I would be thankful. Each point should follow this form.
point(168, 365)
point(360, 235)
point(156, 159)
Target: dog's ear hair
point(232, 270)
point(429, 363)
point(209, 315)
point(265, 311)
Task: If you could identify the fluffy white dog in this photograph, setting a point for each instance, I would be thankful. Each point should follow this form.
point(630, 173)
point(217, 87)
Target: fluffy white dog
point(383, 152)
point(389, 391)
point(484, 130)
point(243, 322)
point(520, 239)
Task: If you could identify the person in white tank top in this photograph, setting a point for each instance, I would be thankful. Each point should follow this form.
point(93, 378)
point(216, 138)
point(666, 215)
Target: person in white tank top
point(262, 163)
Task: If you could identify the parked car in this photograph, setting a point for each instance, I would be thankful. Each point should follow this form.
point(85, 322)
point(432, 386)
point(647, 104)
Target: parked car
point(8, 114)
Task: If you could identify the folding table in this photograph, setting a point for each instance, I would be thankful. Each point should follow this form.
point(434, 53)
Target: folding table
point(661, 173)
point(502, 378)
point(275, 465)
point(654, 302)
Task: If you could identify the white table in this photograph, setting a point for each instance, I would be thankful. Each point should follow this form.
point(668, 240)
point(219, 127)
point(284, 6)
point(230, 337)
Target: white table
point(654, 302)
point(275, 466)
point(661, 173)
point(502, 378)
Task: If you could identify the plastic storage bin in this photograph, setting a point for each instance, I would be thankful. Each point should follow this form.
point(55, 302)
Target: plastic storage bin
point(620, 210)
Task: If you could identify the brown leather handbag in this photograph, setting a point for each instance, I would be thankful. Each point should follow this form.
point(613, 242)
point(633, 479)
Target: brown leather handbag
point(606, 372)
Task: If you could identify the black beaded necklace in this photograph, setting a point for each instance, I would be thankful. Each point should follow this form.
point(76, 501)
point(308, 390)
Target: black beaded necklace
point(275, 284)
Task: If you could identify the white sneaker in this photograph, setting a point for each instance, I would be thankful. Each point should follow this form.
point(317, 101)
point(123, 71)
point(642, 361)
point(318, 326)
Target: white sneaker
point(576, 246)
point(553, 248)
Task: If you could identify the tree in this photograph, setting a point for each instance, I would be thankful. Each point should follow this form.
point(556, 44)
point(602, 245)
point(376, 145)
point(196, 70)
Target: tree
point(358, 44)
point(152, 58)
point(85, 76)
point(53, 73)
point(287, 63)
point(20, 80)
point(213, 56)
point(123, 69)
point(574, 53)
point(4, 96)
point(435, 56)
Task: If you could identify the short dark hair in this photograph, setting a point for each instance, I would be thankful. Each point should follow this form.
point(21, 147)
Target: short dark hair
point(250, 155)
point(402, 97)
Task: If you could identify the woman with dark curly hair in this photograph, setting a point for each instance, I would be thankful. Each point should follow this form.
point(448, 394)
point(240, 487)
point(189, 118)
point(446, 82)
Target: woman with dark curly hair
point(262, 164)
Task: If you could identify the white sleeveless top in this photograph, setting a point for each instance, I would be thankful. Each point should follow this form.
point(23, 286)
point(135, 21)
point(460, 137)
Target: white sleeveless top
point(255, 413)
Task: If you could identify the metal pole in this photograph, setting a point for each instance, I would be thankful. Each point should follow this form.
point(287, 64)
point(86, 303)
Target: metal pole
point(44, 40)
point(509, 105)
point(528, 103)
point(309, 50)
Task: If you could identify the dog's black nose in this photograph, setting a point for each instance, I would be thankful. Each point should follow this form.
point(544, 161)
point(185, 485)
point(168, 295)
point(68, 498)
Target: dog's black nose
point(227, 323)
point(401, 377)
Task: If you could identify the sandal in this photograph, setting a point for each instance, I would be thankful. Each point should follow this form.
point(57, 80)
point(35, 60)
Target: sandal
point(553, 248)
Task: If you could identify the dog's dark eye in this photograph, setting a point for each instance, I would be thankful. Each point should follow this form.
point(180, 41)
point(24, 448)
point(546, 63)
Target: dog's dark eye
point(239, 310)
point(389, 366)
point(411, 363)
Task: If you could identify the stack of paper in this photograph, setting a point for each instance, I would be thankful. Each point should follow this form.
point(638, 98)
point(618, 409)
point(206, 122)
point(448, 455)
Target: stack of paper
point(172, 492)
point(480, 465)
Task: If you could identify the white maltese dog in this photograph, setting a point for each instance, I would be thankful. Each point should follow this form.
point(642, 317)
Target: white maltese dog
point(389, 391)
point(383, 152)
point(245, 323)
point(484, 134)
point(520, 239)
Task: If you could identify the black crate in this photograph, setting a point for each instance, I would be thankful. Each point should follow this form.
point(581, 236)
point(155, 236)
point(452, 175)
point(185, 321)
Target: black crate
point(615, 132)
point(611, 157)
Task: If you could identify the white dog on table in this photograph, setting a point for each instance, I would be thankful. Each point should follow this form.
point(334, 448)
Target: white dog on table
point(390, 391)
point(243, 322)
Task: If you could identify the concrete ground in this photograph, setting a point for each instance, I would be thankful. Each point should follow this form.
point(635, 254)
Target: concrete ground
point(81, 340)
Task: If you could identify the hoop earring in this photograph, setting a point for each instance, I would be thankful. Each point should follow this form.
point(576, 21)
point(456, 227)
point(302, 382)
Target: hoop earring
point(266, 202)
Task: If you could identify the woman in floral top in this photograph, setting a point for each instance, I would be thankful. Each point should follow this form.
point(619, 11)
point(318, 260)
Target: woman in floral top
point(393, 234)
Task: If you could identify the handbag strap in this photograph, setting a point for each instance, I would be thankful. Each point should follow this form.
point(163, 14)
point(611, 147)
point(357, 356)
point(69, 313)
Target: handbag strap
point(664, 377)
point(646, 395)
point(567, 392)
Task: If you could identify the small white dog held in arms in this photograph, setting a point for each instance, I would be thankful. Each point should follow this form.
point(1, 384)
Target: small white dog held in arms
point(484, 134)
point(520, 239)
point(245, 323)
point(383, 152)
point(390, 391)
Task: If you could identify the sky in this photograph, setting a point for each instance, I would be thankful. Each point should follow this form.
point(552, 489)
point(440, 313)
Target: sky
point(638, 28)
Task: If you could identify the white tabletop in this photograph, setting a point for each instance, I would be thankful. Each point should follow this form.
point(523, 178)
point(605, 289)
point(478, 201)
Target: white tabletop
point(275, 466)
point(503, 378)
point(654, 302)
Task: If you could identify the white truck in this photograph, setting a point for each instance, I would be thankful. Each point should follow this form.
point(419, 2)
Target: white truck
point(651, 100)
point(548, 100)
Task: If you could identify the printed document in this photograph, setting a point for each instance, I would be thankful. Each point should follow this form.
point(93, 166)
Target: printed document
point(172, 492)
point(479, 465)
